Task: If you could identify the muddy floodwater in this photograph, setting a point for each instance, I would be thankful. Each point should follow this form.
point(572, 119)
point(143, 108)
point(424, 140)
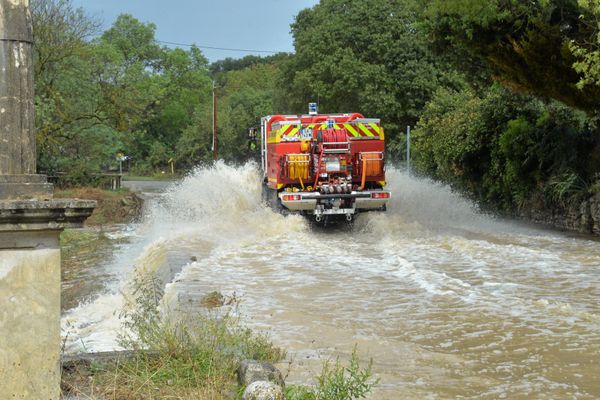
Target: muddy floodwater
point(447, 302)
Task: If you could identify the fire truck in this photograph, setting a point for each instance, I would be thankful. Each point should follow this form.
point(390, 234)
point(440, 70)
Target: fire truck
point(324, 166)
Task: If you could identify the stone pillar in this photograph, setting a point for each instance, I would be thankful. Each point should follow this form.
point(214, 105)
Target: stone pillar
point(17, 157)
point(30, 225)
point(17, 131)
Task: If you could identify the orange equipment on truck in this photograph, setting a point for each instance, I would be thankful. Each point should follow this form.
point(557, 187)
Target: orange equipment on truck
point(324, 166)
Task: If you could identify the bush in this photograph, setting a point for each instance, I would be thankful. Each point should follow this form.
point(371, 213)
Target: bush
point(503, 149)
point(79, 174)
point(141, 168)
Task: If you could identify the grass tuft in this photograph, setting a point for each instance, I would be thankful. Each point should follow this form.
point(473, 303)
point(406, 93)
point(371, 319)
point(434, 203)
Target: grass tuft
point(337, 382)
point(567, 188)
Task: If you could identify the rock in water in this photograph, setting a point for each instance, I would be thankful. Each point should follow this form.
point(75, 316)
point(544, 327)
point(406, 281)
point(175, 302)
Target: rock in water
point(263, 390)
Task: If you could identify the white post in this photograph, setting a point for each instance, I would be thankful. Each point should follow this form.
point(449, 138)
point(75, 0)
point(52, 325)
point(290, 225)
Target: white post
point(408, 149)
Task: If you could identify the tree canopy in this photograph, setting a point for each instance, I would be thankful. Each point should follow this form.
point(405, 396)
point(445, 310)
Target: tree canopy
point(363, 56)
point(540, 47)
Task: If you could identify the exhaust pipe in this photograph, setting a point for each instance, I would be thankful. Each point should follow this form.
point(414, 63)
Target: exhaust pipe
point(348, 217)
point(318, 218)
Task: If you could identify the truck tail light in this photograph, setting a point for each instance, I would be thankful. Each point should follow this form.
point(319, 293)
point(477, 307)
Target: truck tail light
point(291, 197)
point(380, 195)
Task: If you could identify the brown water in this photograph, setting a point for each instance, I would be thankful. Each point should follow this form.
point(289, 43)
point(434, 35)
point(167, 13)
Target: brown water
point(85, 255)
point(447, 302)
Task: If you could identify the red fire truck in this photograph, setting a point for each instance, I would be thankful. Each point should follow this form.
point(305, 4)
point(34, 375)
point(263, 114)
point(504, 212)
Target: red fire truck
point(323, 165)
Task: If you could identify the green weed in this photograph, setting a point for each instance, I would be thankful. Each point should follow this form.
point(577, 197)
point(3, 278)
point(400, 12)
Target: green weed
point(337, 382)
point(567, 188)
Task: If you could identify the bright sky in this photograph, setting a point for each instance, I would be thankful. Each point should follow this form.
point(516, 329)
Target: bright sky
point(240, 24)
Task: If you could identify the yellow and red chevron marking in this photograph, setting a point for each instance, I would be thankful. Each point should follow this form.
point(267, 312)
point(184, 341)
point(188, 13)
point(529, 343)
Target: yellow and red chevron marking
point(356, 130)
point(289, 130)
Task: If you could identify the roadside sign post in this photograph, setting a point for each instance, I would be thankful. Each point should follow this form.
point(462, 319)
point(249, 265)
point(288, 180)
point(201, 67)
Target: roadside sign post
point(121, 157)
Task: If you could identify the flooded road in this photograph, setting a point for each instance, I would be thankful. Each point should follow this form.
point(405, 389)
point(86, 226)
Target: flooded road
point(448, 303)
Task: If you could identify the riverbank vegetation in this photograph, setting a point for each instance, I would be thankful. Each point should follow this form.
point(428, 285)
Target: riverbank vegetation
point(503, 95)
point(193, 355)
point(170, 355)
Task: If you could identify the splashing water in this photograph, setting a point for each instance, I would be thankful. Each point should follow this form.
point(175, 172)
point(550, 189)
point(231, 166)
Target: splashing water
point(447, 301)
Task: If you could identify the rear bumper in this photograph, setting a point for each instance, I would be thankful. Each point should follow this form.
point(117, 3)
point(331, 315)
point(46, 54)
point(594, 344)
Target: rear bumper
point(335, 204)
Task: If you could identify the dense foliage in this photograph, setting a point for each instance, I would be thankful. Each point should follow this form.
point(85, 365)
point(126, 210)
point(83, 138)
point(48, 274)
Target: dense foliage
point(98, 95)
point(526, 45)
point(367, 56)
point(525, 146)
point(504, 94)
point(505, 148)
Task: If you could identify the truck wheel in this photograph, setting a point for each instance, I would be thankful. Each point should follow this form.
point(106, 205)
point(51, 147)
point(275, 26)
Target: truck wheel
point(264, 194)
point(279, 206)
point(270, 198)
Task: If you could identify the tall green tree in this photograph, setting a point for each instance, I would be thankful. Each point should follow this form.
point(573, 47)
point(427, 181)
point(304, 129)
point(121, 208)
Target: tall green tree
point(66, 100)
point(118, 92)
point(363, 56)
point(248, 94)
point(528, 46)
point(150, 92)
point(587, 53)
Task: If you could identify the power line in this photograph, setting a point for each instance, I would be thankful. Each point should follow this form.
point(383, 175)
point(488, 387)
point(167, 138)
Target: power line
point(219, 48)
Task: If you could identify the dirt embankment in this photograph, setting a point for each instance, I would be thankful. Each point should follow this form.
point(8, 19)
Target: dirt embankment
point(114, 207)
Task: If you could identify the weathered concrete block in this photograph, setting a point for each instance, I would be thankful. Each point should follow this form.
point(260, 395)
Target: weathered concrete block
point(263, 390)
point(24, 187)
point(27, 178)
point(44, 215)
point(15, 21)
point(30, 324)
point(252, 371)
point(25, 191)
point(29, 229)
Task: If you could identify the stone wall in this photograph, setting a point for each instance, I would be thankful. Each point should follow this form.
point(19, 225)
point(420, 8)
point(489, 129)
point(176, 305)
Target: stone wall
point(594, 204)
point(583, 217)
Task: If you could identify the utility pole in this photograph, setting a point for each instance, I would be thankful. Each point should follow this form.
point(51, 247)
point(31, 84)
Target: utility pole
point(408, 149)
point(214, 146)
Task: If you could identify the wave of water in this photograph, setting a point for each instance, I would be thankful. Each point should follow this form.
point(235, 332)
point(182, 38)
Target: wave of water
point(448, 300)
point(211, 210)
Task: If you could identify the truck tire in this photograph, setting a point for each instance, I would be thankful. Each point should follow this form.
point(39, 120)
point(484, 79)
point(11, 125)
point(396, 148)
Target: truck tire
point(271, 199)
